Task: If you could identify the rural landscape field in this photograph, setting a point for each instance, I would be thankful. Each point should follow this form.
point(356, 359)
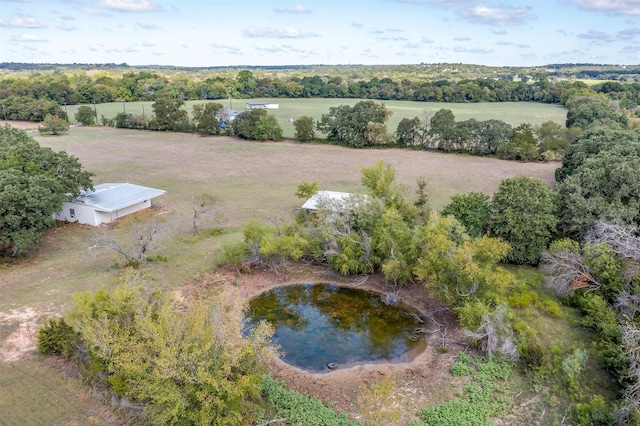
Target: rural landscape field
point(354, 213)
point(252, 180)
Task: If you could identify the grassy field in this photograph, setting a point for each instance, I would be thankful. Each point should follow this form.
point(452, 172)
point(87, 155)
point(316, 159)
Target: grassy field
point(253, 181)
point(513, 113)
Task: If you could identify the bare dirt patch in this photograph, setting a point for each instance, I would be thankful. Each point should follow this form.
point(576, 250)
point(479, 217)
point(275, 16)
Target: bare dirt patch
point(424, 382)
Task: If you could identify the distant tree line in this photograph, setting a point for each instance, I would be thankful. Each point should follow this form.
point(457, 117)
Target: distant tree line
point(18, 94)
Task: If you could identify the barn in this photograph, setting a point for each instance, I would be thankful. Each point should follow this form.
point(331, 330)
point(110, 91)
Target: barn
point(107, 203)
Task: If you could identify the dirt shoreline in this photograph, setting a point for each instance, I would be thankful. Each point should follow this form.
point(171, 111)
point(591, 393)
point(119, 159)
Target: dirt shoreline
point(415, 380)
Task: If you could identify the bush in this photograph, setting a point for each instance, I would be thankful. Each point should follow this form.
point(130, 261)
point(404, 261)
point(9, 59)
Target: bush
point(461, 367)
point(57, 337)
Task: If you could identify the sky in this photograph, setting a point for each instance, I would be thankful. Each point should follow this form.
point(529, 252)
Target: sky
point(308, 32)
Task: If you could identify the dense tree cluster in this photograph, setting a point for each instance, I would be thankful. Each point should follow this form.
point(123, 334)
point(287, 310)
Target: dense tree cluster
point(34, 182)
point(52, 90)
point(180, 366)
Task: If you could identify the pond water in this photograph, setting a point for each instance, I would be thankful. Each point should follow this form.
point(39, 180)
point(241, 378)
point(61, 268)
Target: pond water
point(317, 325)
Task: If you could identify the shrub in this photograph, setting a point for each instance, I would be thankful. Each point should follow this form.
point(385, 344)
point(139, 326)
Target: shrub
point(461, 367)
point(57, 337)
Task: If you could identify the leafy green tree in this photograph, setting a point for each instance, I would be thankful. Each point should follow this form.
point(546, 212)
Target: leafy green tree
point(407, 132)
point(380, 181)
point(594, 141)
point(392, 238)
point(522, 147)
point(129, 121)
point(169, 115)
point(473, 210)
point(85, 116)
point(594, 111)
point(54, 125)
point(256, 124)
point(304, 126)
point(306, 189)
point(493, 134)
point(186, 366)
point(351, 125)
point(205, 118)
point(605, 186)
point(523, 213)
point(443, 129)
point(34, 182)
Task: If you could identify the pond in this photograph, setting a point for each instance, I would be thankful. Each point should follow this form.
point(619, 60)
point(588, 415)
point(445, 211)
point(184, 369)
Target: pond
point(320, 327)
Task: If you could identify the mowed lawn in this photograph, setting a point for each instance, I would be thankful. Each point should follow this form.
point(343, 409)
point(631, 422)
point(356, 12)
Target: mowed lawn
point(253, 180)
point(514, 113)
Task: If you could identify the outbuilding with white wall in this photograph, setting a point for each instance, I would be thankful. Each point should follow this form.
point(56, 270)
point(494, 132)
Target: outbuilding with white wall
point(107, 203)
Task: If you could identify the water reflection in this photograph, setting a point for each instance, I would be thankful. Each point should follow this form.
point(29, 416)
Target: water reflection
point(318, 324)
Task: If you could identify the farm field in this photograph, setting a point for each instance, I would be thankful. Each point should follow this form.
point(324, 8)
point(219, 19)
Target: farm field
point(252, 180)
point(513, 113)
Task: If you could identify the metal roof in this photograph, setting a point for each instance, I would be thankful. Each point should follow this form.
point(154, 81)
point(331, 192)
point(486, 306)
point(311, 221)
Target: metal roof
point(110, 197)
point(324, 199)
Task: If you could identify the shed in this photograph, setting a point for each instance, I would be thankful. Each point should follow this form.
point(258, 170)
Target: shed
point(338, 202)
point(107, 203)
point(262, 105)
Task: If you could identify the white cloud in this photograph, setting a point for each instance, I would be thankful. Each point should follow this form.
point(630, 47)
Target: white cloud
point(496, 16)
point(295, 9)
point(147, 26)
point(22, 22)
point(28, 38)
point(287, 32)
point(626, 34)
point(130, 5)
point(622, 7)
point(224, 48)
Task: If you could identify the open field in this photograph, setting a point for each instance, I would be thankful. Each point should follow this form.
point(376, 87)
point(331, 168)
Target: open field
point(252, 180)
point(513, 113)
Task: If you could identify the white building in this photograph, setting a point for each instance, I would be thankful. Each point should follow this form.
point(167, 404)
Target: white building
point(334, 201)
point(107, 203)
point(262, 105)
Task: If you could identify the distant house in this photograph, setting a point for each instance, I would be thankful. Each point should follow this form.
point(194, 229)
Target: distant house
point(226, 115)
point(262, 105)
point(107, 203)
point(333, 201)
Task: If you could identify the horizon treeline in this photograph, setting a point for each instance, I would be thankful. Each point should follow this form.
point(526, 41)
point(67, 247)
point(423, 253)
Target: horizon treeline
point(32, 98)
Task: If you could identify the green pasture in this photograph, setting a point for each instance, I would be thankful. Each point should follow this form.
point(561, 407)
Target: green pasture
point(514, 113)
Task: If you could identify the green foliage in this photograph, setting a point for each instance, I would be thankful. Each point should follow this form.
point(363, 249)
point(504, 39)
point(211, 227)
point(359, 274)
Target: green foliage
point(169, 115)
point(461, 367)
point(305, 190)
point(572, 368)
point(54, 125)
point(57, 337)
point(443, 129)
point(408, 132)
point(34, 182)
point(190, 367)
point(256, 124)
point(524, 215)
point(304, 126)
point(300, 410)
point(350, 125)
point(522, 147)
point(129, 121)
point(485, 397)
point(533, 354)
point(594, 412)
point(472, 210)
point(205, 118)
point(86, 115)
point(594, 111)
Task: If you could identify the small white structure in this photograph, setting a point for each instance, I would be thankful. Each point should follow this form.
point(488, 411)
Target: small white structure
point(262, 105)
point(334, 201)
point(107, 203)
